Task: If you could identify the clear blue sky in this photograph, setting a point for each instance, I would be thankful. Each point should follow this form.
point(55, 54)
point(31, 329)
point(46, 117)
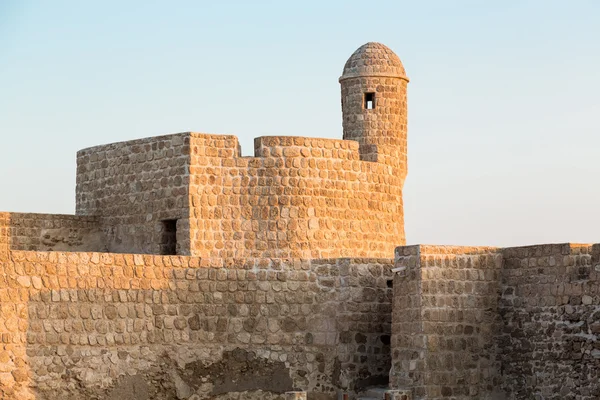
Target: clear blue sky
point(504, 105)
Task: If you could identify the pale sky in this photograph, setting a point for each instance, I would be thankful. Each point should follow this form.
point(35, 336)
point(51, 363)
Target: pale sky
point(504, 104)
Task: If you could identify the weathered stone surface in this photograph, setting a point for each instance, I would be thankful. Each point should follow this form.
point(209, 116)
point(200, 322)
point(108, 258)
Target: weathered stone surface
point(191, 272)
point(183, 253)
point(102, 335)
point(480, 322)
point(549, 303)
point(52, 232)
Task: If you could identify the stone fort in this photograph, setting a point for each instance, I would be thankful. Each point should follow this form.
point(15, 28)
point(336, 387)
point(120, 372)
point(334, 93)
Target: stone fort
point(192, 272)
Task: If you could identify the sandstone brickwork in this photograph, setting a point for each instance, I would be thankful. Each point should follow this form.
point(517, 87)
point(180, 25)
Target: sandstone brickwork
point(132, 187)
point(191, 272)
point(53, 232)
point(298, 197)
point(97, 324)
point(488, 323)
point(448, 296)
point(375, 70)
point(549, 302)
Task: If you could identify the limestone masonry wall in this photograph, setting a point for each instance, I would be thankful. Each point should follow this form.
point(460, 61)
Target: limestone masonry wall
point(191, 272)
point(550, 307)
point(374, 72)
point(467, 323)
point(486, 323)
point(133, 186)
point(298, 197)
point(386, 129)
point(112, 326)
point(53, 232)
point(444, 321)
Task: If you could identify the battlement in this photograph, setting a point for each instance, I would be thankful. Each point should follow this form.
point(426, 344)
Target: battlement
point(297, 197)
point(295, 146)
point(182, 245)
point(227, 146)
point(50, 232)
point(194, 194)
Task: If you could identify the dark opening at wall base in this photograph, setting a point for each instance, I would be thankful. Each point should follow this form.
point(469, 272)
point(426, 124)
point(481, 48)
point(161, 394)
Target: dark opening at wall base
point(168, 240)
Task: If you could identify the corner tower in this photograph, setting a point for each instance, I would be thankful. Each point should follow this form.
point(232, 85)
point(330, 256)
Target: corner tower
point(374, 105)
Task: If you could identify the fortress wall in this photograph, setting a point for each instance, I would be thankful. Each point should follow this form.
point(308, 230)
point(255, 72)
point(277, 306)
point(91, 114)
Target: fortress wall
point(550, 308)
point(487, 323)
point(214, 195)
point(444, 321)
point(133, 186)
point(301, 198)
point(53, 232)
point(309, 198)
point(86, 325)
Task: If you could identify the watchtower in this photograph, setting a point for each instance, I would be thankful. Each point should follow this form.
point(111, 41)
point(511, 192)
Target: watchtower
point(374, 104)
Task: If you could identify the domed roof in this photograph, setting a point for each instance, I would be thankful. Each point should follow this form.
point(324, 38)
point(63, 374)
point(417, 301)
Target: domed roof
point(373, 59)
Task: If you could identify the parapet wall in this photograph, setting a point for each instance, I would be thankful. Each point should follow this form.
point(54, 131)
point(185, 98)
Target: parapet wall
point(298, 197)
point(50, 232)
point(295, 146)
point(488, 323)
point(100, 325)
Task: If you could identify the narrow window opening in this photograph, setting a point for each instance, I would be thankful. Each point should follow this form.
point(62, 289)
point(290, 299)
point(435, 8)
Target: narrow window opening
point(369, 101)
point(390, 283)
point(385, 339)
point(168, 241)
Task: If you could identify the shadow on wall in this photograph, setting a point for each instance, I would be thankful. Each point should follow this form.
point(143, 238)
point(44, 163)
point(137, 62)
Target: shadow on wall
point(481, 322)
point(296, 198)
point(444, 319)
point(549, 303)
point(112, 326)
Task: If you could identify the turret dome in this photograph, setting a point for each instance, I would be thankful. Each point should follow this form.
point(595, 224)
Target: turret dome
point(374, 59)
